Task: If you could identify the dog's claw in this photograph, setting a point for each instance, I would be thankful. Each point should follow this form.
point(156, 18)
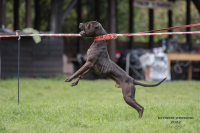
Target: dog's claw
point(74, 83)
point(68, 80)
point(141, 113)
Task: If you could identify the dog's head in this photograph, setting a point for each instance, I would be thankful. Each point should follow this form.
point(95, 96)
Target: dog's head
point(91, 29)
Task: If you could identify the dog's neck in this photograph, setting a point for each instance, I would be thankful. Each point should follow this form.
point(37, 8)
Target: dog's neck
point(101, 31)
point(103, 36)
point(99, 45)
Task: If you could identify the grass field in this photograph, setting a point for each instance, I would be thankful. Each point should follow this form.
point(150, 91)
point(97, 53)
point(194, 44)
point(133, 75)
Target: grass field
point(51, 105)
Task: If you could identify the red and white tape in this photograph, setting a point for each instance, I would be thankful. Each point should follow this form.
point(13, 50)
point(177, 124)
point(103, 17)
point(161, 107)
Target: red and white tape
point(129, 34)
point(154, 34)
point(61, 35)
point(146, 33)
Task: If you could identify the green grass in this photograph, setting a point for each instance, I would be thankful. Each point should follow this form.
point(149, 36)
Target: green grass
point(51, 105)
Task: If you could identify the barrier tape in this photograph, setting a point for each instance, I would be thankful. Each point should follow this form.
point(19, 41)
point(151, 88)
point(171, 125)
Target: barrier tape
point(154, 34)
point(173, 28)
point(129, 34)
point(61, 35)
point(146, 33)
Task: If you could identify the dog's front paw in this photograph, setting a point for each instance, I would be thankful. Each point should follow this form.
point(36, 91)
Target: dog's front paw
point(68, 80)
point(74, 83)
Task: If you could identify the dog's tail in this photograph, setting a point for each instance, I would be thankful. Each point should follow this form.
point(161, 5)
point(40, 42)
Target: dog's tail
point(145, 85)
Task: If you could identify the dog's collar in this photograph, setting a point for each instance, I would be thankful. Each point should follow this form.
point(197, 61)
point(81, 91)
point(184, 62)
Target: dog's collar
point(105, 37)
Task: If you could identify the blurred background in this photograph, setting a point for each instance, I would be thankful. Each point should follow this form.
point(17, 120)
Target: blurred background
point(145, 57)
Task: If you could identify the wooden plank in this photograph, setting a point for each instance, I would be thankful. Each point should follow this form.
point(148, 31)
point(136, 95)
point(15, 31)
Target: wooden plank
point(14, 64)
point(45, 58)
point(47, 63)
point(47, 69)
point(190, 71)
point(14, 58)
point(184, 56)
point(169, 62)
point(153, 4)
point(13, 69)
point(45, 74)
point(56, 48)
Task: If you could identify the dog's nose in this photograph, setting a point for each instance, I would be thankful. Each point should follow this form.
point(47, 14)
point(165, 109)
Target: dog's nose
point(80, 24)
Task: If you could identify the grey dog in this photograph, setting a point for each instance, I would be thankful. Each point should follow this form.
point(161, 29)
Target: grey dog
point(98, 61)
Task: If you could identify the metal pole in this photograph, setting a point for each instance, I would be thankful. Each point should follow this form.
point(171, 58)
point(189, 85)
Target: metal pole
point(17, 32)
point(0, 57)
point(18, 66)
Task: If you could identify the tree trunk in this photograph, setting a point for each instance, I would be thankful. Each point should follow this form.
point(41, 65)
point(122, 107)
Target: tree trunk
point(37, 15)
point(170, 19)
point(56, 16)
point(16, 14)
point(113, 28)
point(188, 21)
point(28, 13)
point(131, 22)
point(151, 27)
point(2, 13)
point(78, 9)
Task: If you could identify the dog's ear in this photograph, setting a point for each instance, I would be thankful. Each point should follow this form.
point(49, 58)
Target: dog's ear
point(96, 26)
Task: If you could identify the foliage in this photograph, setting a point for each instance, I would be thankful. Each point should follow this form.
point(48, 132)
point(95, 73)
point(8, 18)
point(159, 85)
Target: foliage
point(88, 13)
point(51, 105)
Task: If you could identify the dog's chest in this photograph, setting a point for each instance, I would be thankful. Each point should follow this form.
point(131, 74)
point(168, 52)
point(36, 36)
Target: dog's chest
point(102, 67)
point(99, 52)
point(91, 51)
point(103, 63)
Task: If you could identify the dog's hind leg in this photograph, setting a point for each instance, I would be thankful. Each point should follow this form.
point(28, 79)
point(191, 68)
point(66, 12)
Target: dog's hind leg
point(128, 91)
point(138, 104)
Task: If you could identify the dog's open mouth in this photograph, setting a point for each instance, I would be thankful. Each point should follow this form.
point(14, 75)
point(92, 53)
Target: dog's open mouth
point(82, 32)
